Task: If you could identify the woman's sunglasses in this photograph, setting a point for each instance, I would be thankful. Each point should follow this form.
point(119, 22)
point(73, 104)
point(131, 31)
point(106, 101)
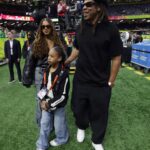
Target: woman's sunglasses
point(89, 4)
point(45, 26)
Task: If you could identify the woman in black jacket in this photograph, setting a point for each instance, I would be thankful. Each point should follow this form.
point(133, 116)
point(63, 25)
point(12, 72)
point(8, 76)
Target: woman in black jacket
point(36, 61)
point(27, 44)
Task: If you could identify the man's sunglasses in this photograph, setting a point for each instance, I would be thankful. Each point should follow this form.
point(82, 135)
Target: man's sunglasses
point(89, 4)
point(45, 26)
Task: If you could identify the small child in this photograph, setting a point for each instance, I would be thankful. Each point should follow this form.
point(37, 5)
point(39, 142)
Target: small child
point(54, 95)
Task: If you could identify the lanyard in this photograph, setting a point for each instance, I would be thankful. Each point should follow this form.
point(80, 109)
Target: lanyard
point(54, 82)
point(45, 78)
point(55, 79)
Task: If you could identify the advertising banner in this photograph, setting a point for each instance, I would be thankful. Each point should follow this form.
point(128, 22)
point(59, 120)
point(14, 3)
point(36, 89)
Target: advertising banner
point(16, 18)
point(129, 17)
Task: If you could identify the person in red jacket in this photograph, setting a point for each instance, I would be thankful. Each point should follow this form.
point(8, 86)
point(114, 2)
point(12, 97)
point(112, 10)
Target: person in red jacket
point(62, 10)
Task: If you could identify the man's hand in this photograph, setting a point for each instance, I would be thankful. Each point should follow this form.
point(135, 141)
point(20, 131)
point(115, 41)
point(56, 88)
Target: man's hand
point(67, 62)
point(115, 66)
point(111, 84)
point(18, 59)
point(73, 56)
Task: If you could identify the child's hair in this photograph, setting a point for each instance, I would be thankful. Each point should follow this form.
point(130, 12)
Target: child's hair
point(60, 52)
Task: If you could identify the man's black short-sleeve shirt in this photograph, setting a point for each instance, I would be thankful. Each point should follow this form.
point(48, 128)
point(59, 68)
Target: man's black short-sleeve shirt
point(96, 49)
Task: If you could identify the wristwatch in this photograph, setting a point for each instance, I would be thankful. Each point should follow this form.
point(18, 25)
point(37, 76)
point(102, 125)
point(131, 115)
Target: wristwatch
point(109, 83)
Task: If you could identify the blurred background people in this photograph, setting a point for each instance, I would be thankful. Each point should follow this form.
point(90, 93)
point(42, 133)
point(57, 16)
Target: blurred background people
point(62, 10)
point(126, 38)
point(27, 44)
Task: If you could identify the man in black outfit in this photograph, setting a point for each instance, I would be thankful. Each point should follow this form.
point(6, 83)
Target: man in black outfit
point(98, 47)
point(12, 50)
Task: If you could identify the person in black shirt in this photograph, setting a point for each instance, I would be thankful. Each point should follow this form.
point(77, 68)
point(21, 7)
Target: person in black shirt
point(27, 44)
point(98, 47)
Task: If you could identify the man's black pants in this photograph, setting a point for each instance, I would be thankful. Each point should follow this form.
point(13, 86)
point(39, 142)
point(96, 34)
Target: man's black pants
point(90, 107)
point(11, 63)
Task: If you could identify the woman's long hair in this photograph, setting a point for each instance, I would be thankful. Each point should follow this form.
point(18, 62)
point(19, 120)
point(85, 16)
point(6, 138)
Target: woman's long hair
point(31, 38)
point(40, 45)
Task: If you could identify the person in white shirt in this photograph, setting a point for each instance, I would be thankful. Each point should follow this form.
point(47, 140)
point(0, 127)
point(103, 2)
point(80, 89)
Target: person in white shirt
point(12, 51)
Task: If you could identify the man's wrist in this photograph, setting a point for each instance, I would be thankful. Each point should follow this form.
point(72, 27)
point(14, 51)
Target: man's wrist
point(68, 61)
point(111, 84)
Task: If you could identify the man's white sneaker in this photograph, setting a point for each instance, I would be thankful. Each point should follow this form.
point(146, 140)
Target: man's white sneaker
point(80, 135)
point(54, 143)
point(97, 146)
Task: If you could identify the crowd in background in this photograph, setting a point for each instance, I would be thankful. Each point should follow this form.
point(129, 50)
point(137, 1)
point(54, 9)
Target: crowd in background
point(67, 13)
point(129, 9)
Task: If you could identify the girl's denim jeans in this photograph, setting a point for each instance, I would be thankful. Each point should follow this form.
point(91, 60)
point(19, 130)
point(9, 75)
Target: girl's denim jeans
point(53, 120)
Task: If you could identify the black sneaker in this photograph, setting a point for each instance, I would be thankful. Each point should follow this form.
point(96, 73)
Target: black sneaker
point(11, 81)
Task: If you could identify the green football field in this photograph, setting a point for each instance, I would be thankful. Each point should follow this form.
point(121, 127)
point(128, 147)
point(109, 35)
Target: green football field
point(129, 116)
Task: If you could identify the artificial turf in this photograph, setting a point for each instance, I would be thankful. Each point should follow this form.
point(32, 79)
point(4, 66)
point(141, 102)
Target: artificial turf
point(128, 125)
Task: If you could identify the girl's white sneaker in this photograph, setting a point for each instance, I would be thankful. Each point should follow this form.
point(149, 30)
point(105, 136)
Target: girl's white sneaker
point(54, 143)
